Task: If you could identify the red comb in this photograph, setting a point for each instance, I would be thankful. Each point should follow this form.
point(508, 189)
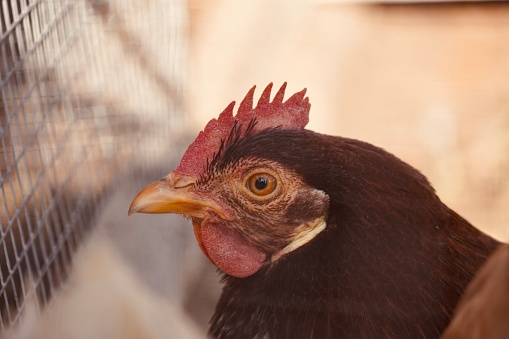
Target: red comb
point(292, 114)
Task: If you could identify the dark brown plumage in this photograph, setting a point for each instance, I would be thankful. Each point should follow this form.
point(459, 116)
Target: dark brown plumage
point(483, 312)
point(391, 262)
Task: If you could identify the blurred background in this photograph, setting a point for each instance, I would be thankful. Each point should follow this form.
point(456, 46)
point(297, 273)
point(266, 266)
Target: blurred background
point(100, 97)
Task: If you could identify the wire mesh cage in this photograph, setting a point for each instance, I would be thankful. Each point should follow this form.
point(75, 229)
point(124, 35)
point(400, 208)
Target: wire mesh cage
point(87, 89)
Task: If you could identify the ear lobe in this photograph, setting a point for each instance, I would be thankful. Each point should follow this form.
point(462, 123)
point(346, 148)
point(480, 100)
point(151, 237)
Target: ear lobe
point(303, 234)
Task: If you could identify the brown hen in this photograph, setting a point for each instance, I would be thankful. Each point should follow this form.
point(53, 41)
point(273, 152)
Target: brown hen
point(317, 236)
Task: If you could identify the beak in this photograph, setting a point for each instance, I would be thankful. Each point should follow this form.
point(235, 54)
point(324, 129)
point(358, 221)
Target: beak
point(175, 194)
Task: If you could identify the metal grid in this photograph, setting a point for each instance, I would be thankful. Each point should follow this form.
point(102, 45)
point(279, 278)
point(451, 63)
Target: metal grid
point(84, 85)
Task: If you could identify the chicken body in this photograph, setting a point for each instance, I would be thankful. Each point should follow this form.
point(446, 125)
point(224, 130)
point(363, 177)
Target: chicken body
point(392, 261)
point(322, 237)
point(483, 311)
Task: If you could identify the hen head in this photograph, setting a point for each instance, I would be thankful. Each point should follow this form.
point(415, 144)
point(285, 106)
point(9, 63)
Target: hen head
point(247, 211)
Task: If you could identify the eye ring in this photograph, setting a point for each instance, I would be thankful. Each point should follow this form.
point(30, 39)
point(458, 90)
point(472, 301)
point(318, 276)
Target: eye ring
point(261, 184)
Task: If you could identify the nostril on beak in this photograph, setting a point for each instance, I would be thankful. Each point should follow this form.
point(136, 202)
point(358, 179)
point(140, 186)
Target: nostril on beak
point(179, 181)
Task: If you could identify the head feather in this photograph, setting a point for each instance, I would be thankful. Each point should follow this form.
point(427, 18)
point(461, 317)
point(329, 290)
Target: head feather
point(292, 114)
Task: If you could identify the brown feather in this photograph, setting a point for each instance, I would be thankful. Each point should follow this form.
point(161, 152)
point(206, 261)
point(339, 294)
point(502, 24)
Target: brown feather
point(392, 262)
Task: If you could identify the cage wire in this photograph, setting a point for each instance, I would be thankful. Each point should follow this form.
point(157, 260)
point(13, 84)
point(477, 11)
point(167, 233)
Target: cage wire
point(91, 93)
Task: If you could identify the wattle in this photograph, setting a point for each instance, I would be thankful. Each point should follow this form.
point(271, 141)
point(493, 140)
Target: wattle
point(229, 251)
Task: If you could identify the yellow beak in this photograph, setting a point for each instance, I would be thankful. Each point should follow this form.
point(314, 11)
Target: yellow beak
point(175, 194)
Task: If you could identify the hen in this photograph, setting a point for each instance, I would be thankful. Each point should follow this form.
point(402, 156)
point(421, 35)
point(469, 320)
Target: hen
point(317, 236)
point(483, 311)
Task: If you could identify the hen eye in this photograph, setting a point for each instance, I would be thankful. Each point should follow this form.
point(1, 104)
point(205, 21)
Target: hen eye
point(261, 184)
